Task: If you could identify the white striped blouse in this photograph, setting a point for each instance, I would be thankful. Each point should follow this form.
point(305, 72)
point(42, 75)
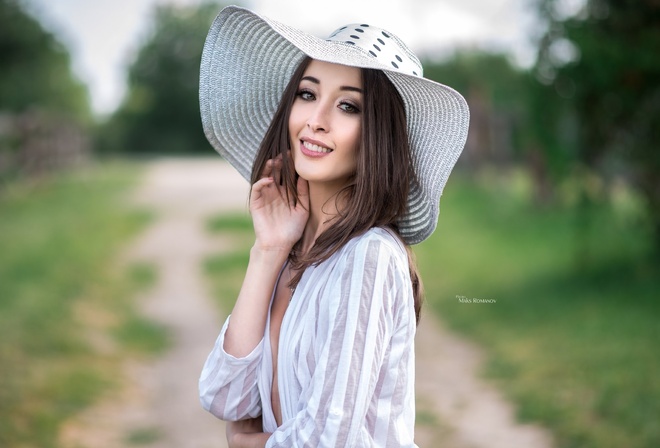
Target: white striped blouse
point(346, 362)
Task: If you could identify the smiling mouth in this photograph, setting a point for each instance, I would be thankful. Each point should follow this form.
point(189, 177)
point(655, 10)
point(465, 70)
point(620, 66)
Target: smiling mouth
point(315, 148)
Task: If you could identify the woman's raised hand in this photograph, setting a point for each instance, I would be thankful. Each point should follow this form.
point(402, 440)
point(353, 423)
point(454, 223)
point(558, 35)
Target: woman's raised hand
point(278, 223)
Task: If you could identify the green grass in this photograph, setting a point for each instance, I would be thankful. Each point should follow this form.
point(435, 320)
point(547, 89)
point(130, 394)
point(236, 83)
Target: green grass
point(426, 418)
point(62, 297)
point(239, 223)
point(136, 333)
point(144, 436)
point(226, 270)
point(574, 331)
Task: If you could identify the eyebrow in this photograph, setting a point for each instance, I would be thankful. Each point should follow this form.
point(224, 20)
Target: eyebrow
point(348, 88)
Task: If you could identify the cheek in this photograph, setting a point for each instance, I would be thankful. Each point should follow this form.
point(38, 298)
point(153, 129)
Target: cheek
point(354, 136)
point(294, 128)
point(296, 118)
point(292, 125)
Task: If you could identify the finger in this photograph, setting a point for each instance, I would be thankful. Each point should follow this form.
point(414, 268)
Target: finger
point(259, 185)
point(277, 169)
point(268, 169)
point(259, 193)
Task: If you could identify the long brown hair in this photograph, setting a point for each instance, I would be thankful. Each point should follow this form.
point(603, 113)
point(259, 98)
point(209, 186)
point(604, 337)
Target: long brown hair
point(377, 194)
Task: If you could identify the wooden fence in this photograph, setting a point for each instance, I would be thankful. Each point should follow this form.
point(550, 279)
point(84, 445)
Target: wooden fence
point(36, 142)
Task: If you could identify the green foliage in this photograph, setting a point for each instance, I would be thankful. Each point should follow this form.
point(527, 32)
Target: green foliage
point(490, 76)
point(161, 111)
point(44, 108)
point(604, 61)
point(514, 118)
point(495, 92)
point(61, 298)
point(36, 70)
point(575, 348)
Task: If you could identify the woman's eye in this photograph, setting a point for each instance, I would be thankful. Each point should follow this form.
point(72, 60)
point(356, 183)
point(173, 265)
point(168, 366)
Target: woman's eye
point(349, 108)
point(306, 95)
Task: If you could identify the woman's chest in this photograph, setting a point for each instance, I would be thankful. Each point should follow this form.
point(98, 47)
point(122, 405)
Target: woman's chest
point(279, 306)
point(303, 322)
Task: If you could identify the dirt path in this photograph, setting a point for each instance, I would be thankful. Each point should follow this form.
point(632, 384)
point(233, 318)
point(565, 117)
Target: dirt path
point(159, 405)
point(467, 412)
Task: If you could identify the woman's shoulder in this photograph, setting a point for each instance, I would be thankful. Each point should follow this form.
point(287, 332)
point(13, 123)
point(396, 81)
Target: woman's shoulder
point(377, 240)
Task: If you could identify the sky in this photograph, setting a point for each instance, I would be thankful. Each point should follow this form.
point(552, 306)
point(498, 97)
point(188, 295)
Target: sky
point(104, 35)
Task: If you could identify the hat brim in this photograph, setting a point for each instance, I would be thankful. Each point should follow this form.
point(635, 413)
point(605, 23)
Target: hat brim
point(247, 63)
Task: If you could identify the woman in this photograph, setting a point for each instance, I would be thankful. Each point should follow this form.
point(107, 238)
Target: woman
point(354, 148)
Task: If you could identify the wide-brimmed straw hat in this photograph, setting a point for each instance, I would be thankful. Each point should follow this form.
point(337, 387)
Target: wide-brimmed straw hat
point(248, 61)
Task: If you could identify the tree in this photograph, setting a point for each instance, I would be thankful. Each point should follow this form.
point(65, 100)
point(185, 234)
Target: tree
point(508, 117)
point(604, 58)
point(44, 108)
point(491, 86)
point(36, 69)
point(161, 110)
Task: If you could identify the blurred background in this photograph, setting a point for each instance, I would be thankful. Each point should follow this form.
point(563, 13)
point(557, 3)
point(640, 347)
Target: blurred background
point(553, 210)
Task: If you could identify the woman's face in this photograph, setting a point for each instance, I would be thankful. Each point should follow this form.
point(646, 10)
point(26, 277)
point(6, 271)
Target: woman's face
point(325, 123)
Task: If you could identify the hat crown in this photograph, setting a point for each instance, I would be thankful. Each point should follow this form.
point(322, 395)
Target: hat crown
point(381, 45)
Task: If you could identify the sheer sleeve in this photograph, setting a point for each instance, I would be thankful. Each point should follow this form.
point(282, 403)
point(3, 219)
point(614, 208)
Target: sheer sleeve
point(362, 375)
point(228, 385)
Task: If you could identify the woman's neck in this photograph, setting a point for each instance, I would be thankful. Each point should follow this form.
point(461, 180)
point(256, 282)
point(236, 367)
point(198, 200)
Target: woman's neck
point(324, 205)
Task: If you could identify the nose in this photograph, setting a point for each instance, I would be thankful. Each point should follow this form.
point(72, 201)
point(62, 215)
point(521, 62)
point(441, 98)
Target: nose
point(318, 120)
